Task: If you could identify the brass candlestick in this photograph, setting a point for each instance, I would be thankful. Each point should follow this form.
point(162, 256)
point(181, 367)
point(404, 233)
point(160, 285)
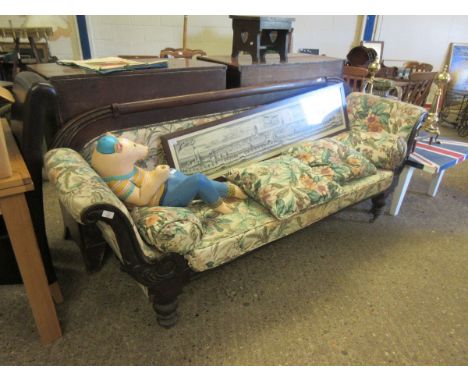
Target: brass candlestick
point(430, 124)
point(374, 67)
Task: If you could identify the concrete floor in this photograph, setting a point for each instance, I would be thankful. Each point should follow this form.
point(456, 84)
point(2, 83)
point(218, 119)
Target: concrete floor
point(341, 292)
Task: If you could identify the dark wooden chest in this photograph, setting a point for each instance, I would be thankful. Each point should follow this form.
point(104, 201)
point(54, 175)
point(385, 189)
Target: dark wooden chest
point(80, 90)
point(242, 71)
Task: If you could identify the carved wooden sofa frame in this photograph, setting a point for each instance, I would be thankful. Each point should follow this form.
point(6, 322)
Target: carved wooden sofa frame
point(164, 277)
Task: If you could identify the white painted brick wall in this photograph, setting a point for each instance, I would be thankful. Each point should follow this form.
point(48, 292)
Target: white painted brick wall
point(151, 34)
point(333, 35)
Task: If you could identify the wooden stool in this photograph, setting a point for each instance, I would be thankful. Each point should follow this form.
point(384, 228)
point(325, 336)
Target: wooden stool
point(257, 34)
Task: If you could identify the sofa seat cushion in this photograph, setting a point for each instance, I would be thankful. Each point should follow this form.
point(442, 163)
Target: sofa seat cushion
point(284, 185)
point(250, 225)
point(169, 229)
point(332, 158)
point(386, 151)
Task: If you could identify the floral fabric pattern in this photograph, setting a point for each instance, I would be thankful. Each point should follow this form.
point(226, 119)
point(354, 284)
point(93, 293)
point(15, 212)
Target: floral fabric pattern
point(376, 114)
point(386, 151)
point(79, 187)
point(149, 135)
point(286, 193)
point(283, 185)
point(333, 159)
point(226, 237)
point(169, 229)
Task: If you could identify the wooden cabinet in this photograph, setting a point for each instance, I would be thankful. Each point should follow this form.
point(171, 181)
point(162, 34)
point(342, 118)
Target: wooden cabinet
point(242, 71)
point(80, 90)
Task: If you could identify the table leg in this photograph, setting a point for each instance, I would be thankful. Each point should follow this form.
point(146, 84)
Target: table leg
point(23, 240)
point(435, 183)
point(400, 190)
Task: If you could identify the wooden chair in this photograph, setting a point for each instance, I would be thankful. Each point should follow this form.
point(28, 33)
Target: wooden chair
point(425, 67)
point(416, 66)
point(181, 53)
point(387, 71)
point(413, 65)
point(418, 87)
point(355, 77)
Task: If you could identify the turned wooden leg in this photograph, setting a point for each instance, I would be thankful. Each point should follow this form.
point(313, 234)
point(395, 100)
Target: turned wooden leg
point(166, 284)
point(166, 313)
point(378, 205)
point(165, 280)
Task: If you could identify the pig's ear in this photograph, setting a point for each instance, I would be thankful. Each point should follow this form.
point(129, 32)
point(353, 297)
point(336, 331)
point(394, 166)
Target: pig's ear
point(118, 147)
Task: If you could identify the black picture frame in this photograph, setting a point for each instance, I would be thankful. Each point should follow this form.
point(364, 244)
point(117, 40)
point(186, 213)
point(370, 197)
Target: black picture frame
point(257, 134)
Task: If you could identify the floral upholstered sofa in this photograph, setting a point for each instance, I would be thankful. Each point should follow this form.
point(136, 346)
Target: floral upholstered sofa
point(162, 247)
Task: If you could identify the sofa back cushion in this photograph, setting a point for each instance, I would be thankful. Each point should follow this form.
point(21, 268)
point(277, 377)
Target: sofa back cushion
point(149, 135)
point(372, 113)
point(334, 159)
point(284, 185)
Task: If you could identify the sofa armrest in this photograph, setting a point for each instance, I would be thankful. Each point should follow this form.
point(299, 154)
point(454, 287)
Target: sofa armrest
point(371, 113)
point(78, 185)
point(89, 200)
point(81, 190)
point(85, 196)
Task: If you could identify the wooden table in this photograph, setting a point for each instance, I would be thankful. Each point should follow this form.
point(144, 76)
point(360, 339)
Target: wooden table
point(434, 159)
point(17, 218)
point(242, 71)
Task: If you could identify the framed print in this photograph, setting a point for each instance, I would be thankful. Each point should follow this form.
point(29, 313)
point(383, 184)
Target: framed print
point(376, 45)
point(257, 134)
point(458, 67)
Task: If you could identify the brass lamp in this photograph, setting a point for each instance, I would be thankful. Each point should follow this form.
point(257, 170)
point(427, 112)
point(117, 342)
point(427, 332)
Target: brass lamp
point(374, 67)
point(430, 124)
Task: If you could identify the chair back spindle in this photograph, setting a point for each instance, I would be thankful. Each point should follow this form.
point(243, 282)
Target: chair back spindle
point(355, 77)
point(418, 87)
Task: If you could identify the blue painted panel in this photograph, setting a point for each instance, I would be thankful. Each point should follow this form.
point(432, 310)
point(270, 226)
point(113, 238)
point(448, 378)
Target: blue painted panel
point(369, 28)
point(84, 39)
